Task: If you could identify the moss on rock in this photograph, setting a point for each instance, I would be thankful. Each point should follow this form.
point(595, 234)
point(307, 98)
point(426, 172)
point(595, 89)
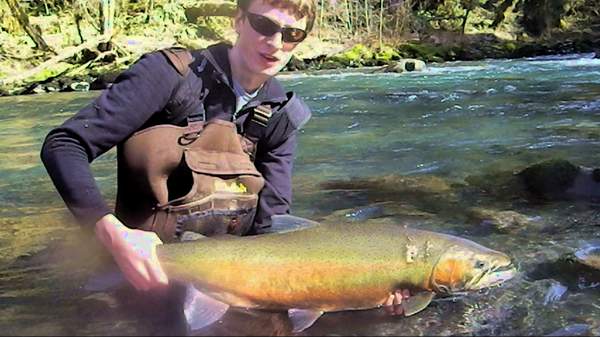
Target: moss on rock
point(359, 55)
point(51, 72)
point(386, 54)
point(426, 52)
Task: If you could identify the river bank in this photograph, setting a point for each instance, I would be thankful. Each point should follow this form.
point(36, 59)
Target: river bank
point(96, 71)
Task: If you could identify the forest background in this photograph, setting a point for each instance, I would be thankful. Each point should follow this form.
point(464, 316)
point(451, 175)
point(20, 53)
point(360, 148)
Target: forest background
point(64, 45)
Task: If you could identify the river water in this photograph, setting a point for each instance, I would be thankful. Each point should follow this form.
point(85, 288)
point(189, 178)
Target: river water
point(438, 130)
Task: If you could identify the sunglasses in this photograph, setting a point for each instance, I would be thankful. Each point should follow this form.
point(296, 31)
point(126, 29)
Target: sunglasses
point(265, 26)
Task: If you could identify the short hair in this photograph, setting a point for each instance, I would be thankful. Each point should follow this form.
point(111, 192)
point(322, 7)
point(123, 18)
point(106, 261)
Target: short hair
point(299, 8)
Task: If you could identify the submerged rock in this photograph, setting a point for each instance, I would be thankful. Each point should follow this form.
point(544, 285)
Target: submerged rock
point(395, 183)
point(503, 221)
point(589, 256)
point(398, 211)
point(549, 178)
point(560, 179)
point(555, 179)
point(586, 130)
point(573, 330)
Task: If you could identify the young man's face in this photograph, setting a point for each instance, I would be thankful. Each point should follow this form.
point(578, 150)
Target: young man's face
point(265, 55)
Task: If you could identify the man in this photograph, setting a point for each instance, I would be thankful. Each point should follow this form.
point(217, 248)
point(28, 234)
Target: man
point(170, 88)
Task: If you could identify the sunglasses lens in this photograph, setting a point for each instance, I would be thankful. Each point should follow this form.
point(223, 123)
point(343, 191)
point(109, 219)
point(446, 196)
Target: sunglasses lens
point(293, 34)
point(263, 25)
point(267, 27)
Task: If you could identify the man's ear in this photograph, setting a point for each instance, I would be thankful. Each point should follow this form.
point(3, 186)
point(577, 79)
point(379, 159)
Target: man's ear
point(237, 20)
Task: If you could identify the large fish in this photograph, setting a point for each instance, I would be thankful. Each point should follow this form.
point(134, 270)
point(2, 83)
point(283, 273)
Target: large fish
point(327, 268)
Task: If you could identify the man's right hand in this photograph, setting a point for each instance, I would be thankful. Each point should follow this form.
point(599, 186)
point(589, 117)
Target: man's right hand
point(134, 251)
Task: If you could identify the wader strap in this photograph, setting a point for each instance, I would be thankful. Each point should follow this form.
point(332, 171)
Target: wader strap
point(256, 123)
point(180, 59)
point(207, 54)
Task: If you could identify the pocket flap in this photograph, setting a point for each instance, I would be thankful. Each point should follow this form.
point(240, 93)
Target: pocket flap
point(219, 163)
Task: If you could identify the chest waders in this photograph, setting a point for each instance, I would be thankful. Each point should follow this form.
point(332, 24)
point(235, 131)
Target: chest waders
point(198, 178)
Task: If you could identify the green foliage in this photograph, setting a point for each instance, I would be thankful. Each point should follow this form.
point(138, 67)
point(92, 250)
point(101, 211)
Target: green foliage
point(7, 22)
point(213, 27)
point(425, 52)
point(510, 46)
point(386, 53)
point(51, 72)
point(356, 56)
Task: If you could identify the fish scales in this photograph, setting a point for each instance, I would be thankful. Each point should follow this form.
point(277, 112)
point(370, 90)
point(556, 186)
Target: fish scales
point(330, 267)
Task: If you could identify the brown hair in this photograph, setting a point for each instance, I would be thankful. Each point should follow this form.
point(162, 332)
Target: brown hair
point(298, 8)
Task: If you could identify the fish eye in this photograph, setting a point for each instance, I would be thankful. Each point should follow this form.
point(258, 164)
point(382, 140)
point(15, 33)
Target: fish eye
point(480, 264)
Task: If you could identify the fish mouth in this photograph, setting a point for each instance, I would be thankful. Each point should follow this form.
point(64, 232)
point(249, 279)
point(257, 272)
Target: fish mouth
point(493, 277)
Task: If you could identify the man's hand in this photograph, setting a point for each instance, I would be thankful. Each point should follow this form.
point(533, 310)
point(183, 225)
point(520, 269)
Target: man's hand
point(134, 251)
point(393, 305)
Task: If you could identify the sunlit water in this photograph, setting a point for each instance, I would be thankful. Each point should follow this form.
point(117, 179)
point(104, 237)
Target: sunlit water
point(454, 121)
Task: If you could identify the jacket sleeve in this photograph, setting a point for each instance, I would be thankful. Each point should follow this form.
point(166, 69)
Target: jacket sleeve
point(275, 160)
point(276, 167)
point(119, 111)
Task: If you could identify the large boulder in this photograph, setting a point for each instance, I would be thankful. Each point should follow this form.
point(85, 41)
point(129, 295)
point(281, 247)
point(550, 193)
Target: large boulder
point(404, 65)
point(560, 179)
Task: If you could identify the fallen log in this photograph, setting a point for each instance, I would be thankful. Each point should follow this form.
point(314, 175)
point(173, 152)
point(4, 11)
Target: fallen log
point(68, 52)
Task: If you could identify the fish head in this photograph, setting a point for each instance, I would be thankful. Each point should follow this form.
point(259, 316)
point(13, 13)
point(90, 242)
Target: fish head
point(468, 266)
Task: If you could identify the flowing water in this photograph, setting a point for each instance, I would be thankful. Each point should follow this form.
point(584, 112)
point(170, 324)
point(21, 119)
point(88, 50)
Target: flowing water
point(416, 141)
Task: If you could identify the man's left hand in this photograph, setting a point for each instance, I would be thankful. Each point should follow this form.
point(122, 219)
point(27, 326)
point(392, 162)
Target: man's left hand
point(393, 305)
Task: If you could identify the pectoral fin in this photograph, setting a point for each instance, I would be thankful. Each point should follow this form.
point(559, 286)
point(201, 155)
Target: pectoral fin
point(417, 302)
point(201, 310)
point(303, 319)
point(282, 223)
point(191, 236)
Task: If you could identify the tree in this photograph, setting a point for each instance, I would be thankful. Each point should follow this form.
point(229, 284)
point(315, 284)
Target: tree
point(34, 32)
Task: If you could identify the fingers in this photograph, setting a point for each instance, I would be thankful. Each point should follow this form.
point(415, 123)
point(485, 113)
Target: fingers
point(398, 310)
point(137, 259)
point(135, 272)
point(390, 301)
point(155, 271)
point(393, 304)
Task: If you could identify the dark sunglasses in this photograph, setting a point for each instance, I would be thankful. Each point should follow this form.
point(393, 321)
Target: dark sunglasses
point(265, 26)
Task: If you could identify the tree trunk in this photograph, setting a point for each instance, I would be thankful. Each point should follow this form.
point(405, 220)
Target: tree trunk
point(149, 9)
point(321, 18)
point(34, 32)
point(367, 17)
point(464, 23)
point(381, 25)
point(348, 23)
point(499, 17)
point(108, 17)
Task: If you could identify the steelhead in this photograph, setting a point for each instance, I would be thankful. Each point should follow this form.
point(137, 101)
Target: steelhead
point(326, 268)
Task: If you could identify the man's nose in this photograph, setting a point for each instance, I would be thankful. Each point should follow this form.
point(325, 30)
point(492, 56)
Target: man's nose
point(276, 40)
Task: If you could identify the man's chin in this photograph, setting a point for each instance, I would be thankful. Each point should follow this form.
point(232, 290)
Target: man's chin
point(271, 71)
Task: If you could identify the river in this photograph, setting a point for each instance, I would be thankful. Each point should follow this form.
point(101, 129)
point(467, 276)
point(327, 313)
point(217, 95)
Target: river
point(439, 129)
